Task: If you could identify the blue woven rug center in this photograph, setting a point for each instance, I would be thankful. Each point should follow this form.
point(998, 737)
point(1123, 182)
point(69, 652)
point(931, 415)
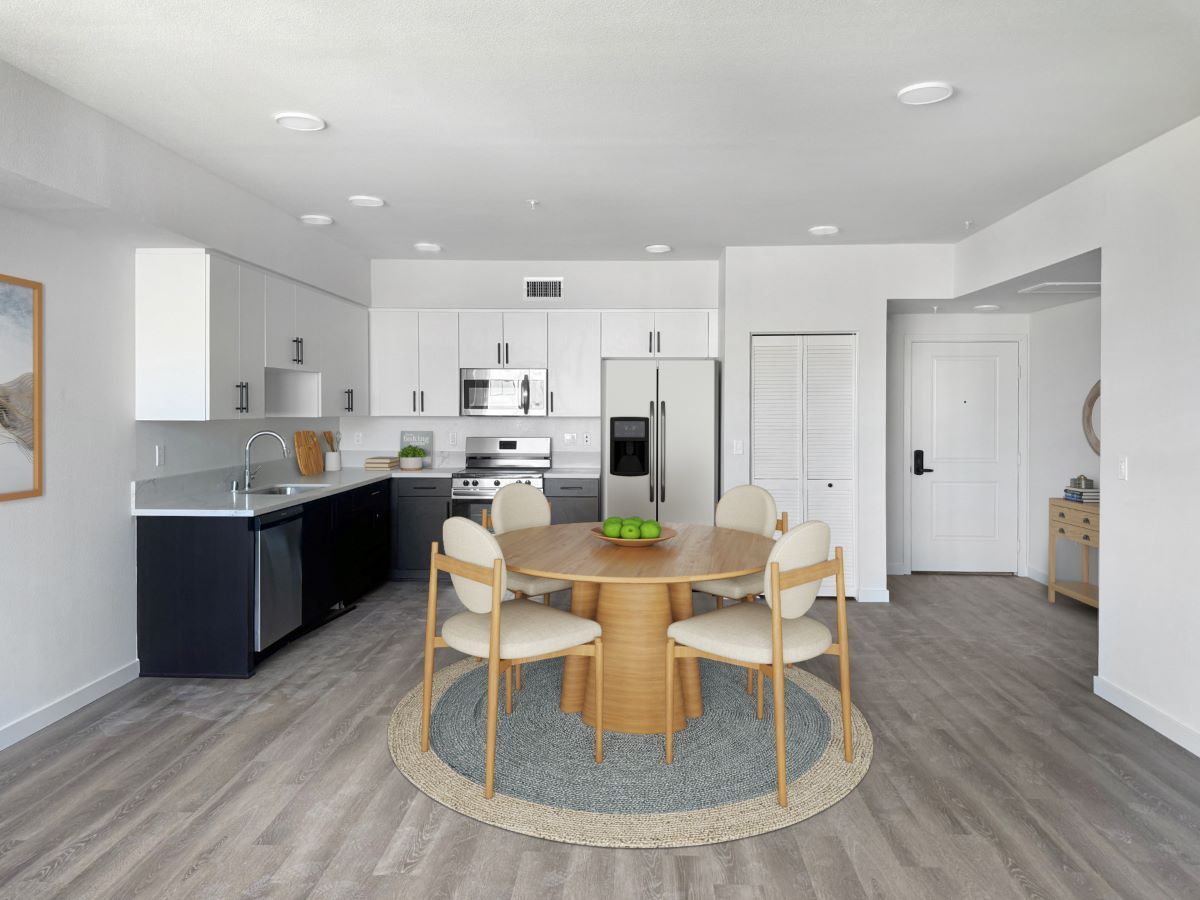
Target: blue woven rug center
point(545, 756)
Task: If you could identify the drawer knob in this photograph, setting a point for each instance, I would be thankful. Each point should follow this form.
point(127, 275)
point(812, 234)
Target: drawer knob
point(1087, 521)
point(1087, 537)
point(1062, 515)
point(1062, 531)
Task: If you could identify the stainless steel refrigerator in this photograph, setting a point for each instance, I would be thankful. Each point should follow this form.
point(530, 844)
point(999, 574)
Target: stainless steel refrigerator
point(660, 439)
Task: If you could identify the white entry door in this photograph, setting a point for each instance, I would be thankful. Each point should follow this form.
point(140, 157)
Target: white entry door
point(964, 436)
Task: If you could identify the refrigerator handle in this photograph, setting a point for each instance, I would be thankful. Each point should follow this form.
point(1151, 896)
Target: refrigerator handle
point(653, 455)
point(662, 452)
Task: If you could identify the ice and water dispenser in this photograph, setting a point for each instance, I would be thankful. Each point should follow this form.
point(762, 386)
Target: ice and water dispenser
point(629, 447)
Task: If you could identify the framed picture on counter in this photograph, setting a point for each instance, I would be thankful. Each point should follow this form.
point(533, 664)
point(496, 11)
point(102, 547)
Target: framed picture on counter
point(20, 388)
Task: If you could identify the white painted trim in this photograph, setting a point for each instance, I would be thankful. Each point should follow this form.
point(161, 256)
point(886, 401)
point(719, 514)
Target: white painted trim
point(1185, 736)
point(67, 704)
point(1022, 342)
point(874, 595)
point(1039, 576)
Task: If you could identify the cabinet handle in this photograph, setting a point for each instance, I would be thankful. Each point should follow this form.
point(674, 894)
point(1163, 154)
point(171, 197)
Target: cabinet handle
point(650, 449)
point(296, 350)
point(650, 345)
point(349, 399)
point(498, 360)
point(659, 333)
point(424, 487)
point(422, 401)
point(1062, 515)
point(238, 406)
point(662, 452)
point(506, 353)
point(246, 401)
point(1087, 537)
point(571, 487)
point(414, 401)
point(1062, 531)
point(301, 351)
point(552, 401)
point(829, 484)
point(1087, 520)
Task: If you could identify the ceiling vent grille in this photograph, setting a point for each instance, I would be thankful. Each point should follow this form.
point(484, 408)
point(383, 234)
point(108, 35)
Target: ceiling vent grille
point(1062, 287)
point(543, 288)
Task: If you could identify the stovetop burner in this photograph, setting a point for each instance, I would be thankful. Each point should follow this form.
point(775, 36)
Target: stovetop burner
point(493, 463)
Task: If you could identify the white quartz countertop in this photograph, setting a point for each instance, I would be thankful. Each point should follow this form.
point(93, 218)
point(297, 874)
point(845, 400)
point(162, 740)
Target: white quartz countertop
point(207, 494)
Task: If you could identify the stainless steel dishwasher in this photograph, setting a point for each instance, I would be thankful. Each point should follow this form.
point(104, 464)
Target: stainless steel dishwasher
point(278, 588)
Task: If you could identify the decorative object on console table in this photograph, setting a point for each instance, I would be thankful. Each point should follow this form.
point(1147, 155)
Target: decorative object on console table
point(1080, 523)
point(308, 453)
point(1082, 489)
point(422, 439)
point(412, 457)
point(20, 388)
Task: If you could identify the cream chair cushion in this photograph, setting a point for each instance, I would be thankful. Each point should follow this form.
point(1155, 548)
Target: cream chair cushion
point(533, 586)
point(518, 506)
point(748, 507)
point(736, 588)
point(805, 545)
point(743, 632)
point(470, 542)
point(526, 629)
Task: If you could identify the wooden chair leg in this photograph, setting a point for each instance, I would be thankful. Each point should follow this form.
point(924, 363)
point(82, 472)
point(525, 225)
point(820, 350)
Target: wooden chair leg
point(720, 603)
point(517, 666)
point(780, 746)
point(760, 694)
point(750, 682)
point(430, 633)
point(599, 673)
point(844, 684)
point(669, 730)
point(508, 680)
point(493, 696)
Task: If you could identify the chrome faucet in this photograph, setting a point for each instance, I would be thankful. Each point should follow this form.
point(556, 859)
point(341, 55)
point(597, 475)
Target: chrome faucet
point(250, 475)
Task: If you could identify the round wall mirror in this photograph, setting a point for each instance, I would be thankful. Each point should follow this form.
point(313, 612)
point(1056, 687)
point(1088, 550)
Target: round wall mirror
point(1091, 418)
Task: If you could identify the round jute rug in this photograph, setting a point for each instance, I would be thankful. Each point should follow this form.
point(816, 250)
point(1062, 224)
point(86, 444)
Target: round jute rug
point(720, 787)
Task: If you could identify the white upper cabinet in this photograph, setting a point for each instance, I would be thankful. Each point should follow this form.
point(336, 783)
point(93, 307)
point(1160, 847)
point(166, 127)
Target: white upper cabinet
point(414, 363)
point(668, 334)
point(344, 359)
point(293, 324)
point(225, 391)
point(252, 286)
point(489, 340)
point(574, 363)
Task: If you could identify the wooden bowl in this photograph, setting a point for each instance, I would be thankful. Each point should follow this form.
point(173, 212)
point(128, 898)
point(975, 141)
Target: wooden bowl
point(667, 533)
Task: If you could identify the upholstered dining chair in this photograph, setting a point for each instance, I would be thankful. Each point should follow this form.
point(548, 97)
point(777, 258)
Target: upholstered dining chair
point(766, 638)
point(746, 507)
point(504, 632)
point(518, 506)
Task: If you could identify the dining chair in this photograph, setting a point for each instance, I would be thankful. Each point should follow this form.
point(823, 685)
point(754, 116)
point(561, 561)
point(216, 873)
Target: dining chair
point(518, 506)
point(746, 507)
point(504, 632)
point(766, 638)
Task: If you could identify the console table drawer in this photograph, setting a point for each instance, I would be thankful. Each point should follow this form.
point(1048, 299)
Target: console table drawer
point(1075, 516)
point(1079, 535)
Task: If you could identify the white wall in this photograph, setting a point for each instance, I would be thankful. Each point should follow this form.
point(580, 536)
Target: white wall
point(1064, 346)
point(1143, 210)
point(900, 329)
point(826, 289)
point(501, 284)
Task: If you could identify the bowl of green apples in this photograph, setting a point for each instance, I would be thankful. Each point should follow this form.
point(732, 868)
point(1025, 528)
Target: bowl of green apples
point(632, 531)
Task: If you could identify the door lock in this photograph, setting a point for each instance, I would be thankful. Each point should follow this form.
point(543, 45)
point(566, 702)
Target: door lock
point(919, 463)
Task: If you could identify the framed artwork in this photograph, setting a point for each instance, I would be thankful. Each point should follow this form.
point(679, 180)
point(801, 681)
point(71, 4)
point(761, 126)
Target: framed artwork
point(20, 388)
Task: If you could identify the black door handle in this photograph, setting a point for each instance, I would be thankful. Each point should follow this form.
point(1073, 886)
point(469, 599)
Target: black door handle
point(919, 463)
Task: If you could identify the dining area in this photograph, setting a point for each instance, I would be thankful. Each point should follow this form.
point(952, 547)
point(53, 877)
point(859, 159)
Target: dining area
point(596, 702)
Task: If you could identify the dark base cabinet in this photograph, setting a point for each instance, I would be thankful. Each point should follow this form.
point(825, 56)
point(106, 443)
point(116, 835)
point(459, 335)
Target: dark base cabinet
point(419, 507)
point(196, 580)
point(573, 500)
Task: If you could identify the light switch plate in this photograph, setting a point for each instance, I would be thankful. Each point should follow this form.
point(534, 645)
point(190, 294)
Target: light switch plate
point(739, 448)
point(454, 439)
point(570, 439)
point(1123, 468)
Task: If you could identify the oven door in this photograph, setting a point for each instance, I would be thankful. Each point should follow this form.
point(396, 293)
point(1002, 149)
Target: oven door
point(503, 392)
point(471, 508)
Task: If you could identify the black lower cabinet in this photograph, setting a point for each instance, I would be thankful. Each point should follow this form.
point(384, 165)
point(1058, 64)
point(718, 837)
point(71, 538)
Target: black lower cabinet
point(419, 507)
point(196, 580)
point(573, 500)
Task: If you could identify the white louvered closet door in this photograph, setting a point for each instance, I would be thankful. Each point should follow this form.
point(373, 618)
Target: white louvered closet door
point(804, 431)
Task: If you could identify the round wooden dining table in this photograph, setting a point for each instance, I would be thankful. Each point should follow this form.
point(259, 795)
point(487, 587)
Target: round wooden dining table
point(635, 593)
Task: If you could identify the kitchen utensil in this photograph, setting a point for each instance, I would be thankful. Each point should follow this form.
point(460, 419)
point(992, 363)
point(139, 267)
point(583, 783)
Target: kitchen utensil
point(330, 441)
point(308, 453)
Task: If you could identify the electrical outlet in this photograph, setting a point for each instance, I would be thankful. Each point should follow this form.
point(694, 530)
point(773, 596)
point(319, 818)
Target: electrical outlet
point(454, 439)
point(358, 437)
point(570, 438)
point(1123, 468)
point(587, 437)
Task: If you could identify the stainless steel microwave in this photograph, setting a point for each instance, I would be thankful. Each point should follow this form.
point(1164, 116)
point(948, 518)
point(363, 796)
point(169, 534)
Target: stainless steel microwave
point(503, 392)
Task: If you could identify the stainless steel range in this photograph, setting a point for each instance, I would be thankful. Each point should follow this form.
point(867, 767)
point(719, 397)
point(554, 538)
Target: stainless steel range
point(493, 463)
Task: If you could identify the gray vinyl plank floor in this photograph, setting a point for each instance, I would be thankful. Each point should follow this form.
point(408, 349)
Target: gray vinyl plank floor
point(997, 773)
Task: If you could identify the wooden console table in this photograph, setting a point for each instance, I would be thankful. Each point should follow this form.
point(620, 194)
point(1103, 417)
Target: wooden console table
point(1078, 522)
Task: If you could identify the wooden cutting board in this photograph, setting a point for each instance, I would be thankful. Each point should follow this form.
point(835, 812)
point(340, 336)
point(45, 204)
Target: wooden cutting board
point(308, 453)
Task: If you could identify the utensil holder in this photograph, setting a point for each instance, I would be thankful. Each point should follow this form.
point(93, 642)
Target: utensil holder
point(333, 461)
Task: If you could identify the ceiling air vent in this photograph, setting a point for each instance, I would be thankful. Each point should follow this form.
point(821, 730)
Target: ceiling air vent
point(1062, 287)
point(543, 288)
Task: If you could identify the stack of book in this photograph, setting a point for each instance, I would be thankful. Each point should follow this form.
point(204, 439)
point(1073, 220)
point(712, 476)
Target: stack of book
point(382, 462)
point(1082, 490)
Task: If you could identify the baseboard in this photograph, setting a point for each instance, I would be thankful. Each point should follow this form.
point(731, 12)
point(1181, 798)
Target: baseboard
point(873, 595)
point(1039, 576)
point(1185, 736)
point(67, 704)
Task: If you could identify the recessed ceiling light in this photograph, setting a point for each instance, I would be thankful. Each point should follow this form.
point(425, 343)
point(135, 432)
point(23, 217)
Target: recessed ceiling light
point(658, 248)
point(365, 200)
point(427, 247)
point(987, 307)
point(298, 121)
point(924, 93)
point(823, 230)
point(315, 219)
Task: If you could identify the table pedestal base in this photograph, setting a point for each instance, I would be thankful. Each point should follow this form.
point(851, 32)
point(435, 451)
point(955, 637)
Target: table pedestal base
point(634, 618)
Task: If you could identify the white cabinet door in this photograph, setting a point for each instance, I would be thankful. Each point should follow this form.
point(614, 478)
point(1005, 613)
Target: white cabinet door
point(525, 340)
point(251, 298)
point(280, 323)
point(832, 502)
point(627, 335)
point(573, 363)
point(395, 372)
point(224, 393)
point(355, 360)
point(312, 312)
point(439, 364)
point(481, 340)
point(681, 334)
point(335, 340)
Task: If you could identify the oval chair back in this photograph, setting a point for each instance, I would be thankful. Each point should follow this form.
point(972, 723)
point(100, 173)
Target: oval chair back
point(803, 546)
point(471, 542)
point(747, 507)
point(518, 506)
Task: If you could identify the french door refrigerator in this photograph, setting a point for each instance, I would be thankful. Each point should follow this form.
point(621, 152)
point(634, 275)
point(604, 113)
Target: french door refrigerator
point(660, 439)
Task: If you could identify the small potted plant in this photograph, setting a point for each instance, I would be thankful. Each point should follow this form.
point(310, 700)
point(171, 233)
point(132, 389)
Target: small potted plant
point(412, 457)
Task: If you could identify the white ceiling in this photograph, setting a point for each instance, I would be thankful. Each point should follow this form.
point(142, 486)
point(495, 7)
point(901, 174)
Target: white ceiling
point(697, 123)
point(1007, 294)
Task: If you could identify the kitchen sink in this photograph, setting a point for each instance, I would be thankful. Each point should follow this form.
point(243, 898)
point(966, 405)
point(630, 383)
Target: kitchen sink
point(287, 489)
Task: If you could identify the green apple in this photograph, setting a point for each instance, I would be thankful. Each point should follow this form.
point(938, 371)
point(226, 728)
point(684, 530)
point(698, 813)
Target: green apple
point(612, 529)
point(632, 520)
point(651, 529)
point(616, 519)
point(631, 532)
